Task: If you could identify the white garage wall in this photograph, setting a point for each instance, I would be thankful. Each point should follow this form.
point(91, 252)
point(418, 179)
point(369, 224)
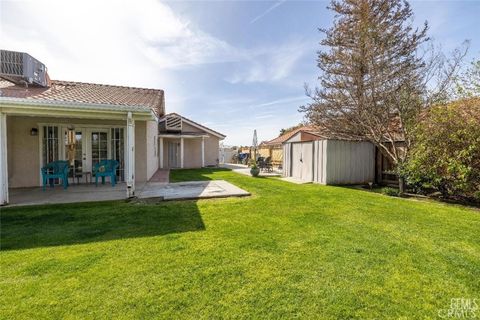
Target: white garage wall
point(330, 161)
point(286, 160)
point(349, 162)
point(320, 161)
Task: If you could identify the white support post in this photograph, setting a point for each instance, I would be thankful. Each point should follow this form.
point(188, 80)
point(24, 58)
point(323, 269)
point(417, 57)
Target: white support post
point(160, 149)
point(203, 152)
point(181, 153)
point(130, 156)
point(3, 160)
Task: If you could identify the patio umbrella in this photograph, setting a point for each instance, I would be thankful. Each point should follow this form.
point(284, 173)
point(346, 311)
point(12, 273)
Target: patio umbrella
point(255, 144)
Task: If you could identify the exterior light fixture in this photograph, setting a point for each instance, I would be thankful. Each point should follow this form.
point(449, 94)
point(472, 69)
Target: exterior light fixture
point(71, 142)
point(34, 132)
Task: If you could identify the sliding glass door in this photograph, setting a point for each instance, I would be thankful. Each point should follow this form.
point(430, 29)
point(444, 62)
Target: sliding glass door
point(99, 146)
point(118, 150)
point(91, 146)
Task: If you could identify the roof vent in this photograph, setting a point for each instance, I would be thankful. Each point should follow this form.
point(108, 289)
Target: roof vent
point(22, 68)
point(173, 123)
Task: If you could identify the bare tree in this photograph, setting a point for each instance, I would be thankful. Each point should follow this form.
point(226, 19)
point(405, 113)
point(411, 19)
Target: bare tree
point(375, 80)
point(467, 84)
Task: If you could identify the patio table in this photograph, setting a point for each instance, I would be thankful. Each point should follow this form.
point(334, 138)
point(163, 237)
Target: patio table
point(87, 174)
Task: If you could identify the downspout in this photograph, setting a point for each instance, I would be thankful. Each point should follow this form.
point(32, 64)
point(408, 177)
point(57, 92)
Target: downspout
point(130, 156)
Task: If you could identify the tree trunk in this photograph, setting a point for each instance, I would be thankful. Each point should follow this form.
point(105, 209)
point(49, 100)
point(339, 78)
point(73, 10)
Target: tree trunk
point(401, 185)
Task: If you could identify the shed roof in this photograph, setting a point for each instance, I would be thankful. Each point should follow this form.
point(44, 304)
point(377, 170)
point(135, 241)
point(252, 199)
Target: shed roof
point(284, 137)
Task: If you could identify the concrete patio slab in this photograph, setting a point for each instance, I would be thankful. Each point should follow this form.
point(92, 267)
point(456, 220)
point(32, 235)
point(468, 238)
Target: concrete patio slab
point(74, 193)
point(151, 190)
point(192, 190)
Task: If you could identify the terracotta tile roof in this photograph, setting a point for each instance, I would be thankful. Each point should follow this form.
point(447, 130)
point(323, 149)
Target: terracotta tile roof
point(281, 139)
point(88, 93)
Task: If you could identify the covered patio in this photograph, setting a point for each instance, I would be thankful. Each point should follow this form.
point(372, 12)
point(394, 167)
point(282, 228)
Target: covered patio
point(32, 135)
point(74, 193)
point(172, 149)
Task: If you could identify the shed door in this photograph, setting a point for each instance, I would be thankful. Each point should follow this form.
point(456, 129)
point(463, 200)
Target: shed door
point(296, 160)
point(307, 161)
point(302, 157)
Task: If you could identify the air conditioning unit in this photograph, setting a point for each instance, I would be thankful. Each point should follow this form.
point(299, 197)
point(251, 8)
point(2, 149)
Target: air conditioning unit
point(22, 68)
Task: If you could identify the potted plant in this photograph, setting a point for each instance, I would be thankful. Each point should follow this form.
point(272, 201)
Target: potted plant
point(254, 170)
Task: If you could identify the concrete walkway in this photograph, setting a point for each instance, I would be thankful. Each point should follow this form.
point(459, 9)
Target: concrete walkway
point(245, 170)
point(162, 175)
point(155, 191)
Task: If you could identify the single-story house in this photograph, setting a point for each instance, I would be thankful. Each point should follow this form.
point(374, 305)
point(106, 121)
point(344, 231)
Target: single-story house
point(311, 156)
point(185, 143)
point(127, 124)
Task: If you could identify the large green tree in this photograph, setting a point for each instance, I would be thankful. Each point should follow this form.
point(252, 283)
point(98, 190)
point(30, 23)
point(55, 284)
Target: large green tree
point(373, 78)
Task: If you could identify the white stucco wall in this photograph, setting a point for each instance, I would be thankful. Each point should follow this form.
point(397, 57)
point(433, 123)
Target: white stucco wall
point(151, 145)
point(24, 149)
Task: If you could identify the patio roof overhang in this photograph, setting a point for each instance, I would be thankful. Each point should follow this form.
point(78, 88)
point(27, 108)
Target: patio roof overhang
point(182, 135)
point(63, 109)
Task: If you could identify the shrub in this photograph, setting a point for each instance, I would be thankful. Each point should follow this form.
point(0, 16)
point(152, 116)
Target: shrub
point(476, 196)
point(389, 191)
point(445, 156)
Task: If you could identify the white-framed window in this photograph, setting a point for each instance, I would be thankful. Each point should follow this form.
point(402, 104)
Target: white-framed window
point(50, 144)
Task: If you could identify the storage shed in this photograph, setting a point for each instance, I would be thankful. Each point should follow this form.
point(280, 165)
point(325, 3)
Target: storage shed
point(329, 161)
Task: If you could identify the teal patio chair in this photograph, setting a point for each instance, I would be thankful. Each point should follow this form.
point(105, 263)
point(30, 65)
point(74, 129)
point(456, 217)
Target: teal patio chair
point(106, 168)
point(55, 170)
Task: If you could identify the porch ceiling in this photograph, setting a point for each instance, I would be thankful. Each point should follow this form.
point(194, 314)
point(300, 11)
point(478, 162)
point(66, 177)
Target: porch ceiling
point(61, 109)
point(182, 135)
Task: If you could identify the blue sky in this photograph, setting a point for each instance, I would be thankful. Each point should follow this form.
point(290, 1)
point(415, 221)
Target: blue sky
point(235, 66)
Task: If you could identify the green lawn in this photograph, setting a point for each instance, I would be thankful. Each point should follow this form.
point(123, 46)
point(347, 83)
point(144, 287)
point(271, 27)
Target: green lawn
point(306, 251)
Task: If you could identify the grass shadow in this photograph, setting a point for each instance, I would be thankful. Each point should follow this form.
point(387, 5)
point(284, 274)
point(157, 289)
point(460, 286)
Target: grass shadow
point(55, 225)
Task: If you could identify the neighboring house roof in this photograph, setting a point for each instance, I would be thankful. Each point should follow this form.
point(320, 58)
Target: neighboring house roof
point(195, 124)
point(309, 136)
point(76, 93)
point(284, 137)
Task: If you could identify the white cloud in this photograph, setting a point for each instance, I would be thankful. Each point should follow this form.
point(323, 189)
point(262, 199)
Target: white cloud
point(145, 44)
point(269, 9)
point(267, 117)
point(281, 101)
point(119, 42)
point(270, 64)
